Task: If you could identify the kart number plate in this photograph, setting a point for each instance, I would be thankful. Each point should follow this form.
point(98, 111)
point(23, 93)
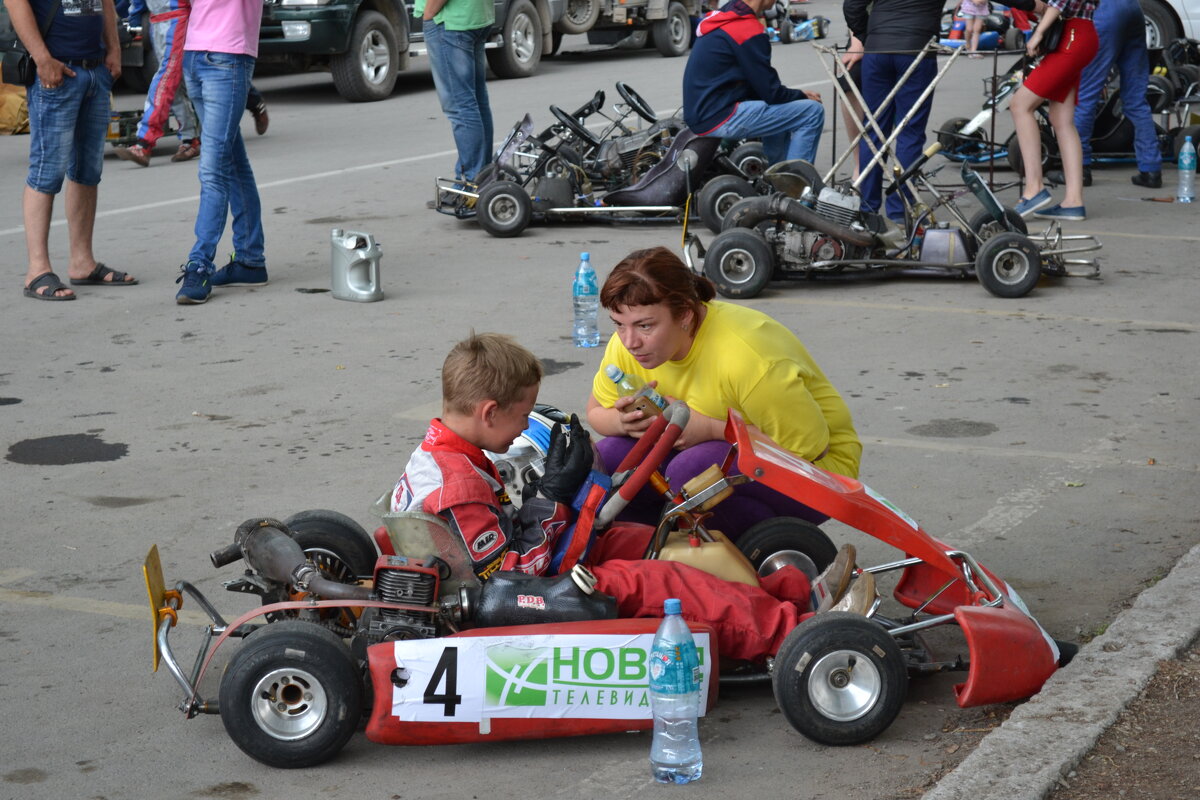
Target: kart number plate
point(153, 573)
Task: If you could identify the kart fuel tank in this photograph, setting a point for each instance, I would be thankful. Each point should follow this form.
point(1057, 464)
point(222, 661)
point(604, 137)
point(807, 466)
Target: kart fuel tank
point(944, 246)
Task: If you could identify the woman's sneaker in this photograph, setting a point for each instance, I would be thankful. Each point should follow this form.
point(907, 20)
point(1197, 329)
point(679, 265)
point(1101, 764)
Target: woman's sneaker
point(235, 273)
point(1027, 206)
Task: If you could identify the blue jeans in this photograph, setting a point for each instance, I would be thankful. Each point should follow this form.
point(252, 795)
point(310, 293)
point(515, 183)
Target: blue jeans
point(880, 72)
point(1119, 26)
point(788, 130)
point(460, 77)
point(67, 126)
point(217, 84)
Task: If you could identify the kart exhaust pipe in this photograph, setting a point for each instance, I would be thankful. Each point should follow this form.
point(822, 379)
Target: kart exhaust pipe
point(269, 549)
point(748, 214)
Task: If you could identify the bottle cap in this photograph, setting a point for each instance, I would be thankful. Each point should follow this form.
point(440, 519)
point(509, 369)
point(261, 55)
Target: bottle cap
point(672, 605)
point(585, 257)
point(614, 373)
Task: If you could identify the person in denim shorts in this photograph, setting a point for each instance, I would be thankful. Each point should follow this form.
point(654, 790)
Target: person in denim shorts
point(77, 61)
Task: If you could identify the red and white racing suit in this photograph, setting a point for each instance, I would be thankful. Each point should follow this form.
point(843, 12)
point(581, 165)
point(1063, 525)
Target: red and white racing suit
point(452, 478)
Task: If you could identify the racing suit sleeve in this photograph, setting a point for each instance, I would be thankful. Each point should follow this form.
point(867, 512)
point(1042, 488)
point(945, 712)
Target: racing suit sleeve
point(497, 540)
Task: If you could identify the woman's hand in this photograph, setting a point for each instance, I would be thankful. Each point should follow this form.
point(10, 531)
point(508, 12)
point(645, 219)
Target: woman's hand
point(699, 429)
point(1031, 46)
point(633, 422)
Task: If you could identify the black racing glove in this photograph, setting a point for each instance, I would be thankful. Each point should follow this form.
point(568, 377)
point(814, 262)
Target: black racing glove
point(568, 462)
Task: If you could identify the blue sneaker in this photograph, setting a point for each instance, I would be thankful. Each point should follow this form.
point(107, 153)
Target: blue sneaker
point(235, 273)
point(1025, 207)
point(1071, 214)
point(197, 284)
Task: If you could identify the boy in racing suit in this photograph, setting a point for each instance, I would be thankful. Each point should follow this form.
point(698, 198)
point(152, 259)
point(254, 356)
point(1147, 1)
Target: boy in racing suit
point(489, 386)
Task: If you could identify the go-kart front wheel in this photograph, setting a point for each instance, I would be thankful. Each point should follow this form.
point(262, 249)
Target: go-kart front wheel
point(739, 262)
point(1009, 265)
point(504, 209)
point(292, 696)
point(718, 196)
point(840, 679)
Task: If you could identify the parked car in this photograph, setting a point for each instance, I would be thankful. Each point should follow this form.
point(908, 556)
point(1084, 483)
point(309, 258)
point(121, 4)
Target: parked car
point(668, 23)
point(1170, 19)
point(367, 43)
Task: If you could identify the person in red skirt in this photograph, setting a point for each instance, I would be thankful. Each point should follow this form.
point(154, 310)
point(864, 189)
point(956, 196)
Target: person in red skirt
point(1056, 79)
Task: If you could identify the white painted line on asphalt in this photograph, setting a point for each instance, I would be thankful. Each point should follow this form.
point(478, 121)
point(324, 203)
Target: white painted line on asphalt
point(107, 608)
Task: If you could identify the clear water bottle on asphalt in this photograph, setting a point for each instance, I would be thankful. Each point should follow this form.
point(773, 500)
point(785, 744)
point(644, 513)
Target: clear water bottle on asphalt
point(675, 701)
point(586, 297)
point(1187, 172)
point(647, 400)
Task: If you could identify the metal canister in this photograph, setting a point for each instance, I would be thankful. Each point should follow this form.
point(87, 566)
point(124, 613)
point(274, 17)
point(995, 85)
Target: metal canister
point(354, 266)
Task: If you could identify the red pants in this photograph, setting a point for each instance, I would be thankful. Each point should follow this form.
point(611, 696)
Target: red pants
point(751, 622)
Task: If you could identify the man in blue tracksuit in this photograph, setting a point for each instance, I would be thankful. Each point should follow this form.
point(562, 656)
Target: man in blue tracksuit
point(731, 91)
point(1121, 28)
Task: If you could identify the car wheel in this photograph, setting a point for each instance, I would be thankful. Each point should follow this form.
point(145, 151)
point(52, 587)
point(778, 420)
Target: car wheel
point(1161, 26)
point(367, 71)
point(673, 34)
point(578, 17)
point(520, 51)
point(718, 196)
point(780, 534)
point(291, 697)
point(840, 679)
point(739, 262)
point(504, 209)
point(1009, 265)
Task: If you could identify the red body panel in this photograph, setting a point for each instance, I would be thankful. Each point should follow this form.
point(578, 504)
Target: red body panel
point(385, 728)
point(1010, 657)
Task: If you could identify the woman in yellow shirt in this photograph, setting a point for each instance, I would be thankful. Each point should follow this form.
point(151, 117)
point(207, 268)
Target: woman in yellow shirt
point(713, 356)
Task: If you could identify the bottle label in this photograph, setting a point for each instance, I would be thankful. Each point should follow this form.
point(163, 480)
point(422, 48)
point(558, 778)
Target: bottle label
point(674, 668)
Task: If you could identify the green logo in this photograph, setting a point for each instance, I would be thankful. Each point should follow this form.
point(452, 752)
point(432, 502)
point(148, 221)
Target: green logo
point(516, 676)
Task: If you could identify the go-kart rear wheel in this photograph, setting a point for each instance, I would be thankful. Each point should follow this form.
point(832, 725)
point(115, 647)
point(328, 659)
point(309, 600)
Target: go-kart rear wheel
point(750, 158)
point(779, 534)
point(1009, 265)
point(985, 227)
point(340, 547)
point(840, 679)
point(955, 143)
point(1049, 151)
point(504, 209)
point(718, 196)
point(291, 697)
point(739, 262)
point(495, 172)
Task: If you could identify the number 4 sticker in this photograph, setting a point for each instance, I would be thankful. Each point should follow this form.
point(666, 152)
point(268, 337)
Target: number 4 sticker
point(447, 671)
point(445, 683)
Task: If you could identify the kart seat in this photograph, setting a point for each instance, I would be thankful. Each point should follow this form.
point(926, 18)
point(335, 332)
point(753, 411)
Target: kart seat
point(668, 181)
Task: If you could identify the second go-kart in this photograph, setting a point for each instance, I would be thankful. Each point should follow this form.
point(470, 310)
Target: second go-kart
point(399, 628)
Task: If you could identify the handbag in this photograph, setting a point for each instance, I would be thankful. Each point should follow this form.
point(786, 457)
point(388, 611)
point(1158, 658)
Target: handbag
point(1052, 38)
point(17, 67)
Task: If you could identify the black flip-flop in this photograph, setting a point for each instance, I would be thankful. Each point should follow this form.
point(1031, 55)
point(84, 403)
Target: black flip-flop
point(52, 284)
point(97, 278)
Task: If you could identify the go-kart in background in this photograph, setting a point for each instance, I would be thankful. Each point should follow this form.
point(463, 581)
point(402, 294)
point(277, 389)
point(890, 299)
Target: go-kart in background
point(1053, 437)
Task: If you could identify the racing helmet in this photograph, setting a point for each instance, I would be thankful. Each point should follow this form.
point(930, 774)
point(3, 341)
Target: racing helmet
point(526, 457)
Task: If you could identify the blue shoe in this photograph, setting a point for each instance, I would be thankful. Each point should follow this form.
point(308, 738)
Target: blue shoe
point(197, 284)
point(1072, 214)
point(235, 273)
point(1025, 207)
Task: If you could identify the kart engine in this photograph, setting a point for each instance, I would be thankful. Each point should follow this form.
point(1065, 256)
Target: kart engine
point(631, 155)
point(404, 581)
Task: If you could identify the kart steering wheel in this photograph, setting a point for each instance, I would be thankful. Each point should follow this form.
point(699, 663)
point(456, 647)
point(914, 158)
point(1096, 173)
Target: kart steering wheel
point(575, 127)
point(636, 102)
point(648, 454)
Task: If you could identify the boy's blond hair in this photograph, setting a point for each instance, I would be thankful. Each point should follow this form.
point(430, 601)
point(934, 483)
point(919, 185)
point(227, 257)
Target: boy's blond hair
point(487, 366)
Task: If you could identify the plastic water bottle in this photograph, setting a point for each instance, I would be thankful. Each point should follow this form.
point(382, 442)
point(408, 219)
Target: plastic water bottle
point(675, 701)
point(1187, 172)
point(586, 297)
point(646, 399)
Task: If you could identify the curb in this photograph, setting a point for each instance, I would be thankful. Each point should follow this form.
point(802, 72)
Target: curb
point(1045, 737)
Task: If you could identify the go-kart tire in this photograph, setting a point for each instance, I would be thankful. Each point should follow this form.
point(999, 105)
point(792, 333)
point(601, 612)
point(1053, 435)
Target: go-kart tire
point(291, 697)
point(1160, 93)
point(750, 158)
point(504, 209)
point(985, 227)
point(787, 32)
point(952, 141)
point(578, 17)
point(520, 48)
point(673, 35)
point(495, 172)
point(1009, 265)
point(719, 195)
point(840, 679)
point(764, 539)
point(740, 263)
point(1185, 76)
point(1049, 151)
point(1014, 39)
point(367, 71)
point(339, 546)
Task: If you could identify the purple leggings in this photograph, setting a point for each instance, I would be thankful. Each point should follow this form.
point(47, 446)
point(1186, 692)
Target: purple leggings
point(750, 502)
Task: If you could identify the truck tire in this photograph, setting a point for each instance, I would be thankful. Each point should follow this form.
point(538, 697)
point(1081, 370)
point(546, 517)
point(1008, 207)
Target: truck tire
point(673, 34)
point(578, 17)
point(367, 71)
point(521, 49)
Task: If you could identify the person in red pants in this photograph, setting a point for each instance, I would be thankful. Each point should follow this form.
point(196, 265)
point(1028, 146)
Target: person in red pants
point(489, 386)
